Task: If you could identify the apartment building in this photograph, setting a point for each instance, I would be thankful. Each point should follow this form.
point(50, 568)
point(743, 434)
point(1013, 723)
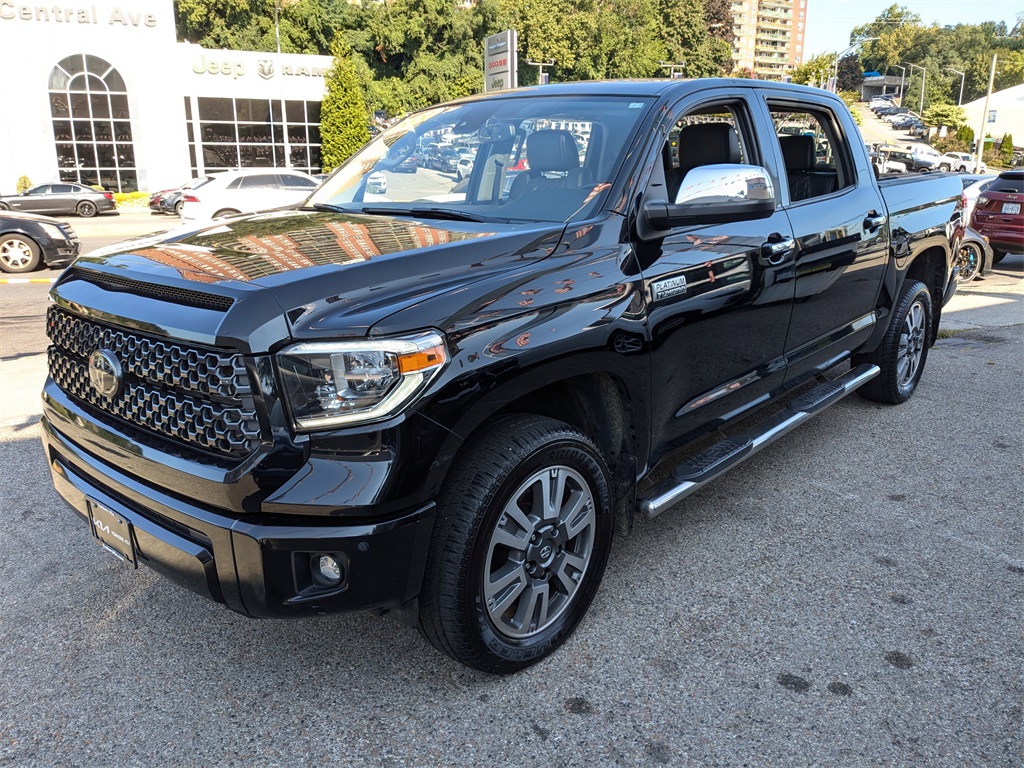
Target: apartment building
point(769, 36)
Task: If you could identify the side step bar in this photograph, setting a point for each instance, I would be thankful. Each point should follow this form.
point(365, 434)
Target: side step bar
point(699, 470)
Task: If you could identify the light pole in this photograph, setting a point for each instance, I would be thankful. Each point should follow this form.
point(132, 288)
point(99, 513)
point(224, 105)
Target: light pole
point(835, 64)
point(961, 99)
point(903, 80)
point(924, 75)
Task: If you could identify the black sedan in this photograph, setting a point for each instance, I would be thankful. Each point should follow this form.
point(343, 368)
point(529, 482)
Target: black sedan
point(59, 198)
point(27, 239)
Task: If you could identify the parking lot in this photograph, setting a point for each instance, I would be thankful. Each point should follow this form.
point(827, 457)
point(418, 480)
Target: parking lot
point(850, 596)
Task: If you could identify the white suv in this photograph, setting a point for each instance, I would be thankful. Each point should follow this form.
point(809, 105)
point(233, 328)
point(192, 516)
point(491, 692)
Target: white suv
point(254, 189)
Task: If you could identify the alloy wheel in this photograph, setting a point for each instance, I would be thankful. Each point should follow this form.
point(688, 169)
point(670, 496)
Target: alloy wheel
point(539, 551)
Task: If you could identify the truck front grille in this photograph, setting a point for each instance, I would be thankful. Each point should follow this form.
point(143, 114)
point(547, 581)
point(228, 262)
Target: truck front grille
point(200, 398)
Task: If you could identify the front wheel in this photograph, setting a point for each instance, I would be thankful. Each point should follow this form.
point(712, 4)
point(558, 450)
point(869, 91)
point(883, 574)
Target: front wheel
point(4, 207)
point(997, 255)
point(944, 168)
point(18, 254)
point(523, 534)
point(969, 260)
point(904, 348)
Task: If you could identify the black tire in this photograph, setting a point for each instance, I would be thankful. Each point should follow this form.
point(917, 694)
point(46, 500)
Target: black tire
point(944, 168)
point(225, 212)
point(970, 262)
point(177, 207)
point(998, 255)
point(4, 207)
point(86, 209)
point(18, 254)
point(541, 592)
point(904, 348)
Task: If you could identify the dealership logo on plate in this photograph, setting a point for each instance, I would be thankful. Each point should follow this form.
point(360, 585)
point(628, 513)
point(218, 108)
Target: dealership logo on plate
point(266, 68)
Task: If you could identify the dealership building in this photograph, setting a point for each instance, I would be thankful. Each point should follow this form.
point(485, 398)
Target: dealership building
point(103, 93)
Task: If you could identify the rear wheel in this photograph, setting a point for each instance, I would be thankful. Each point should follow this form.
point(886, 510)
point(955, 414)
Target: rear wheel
point(904, 349)
point(225, 212)
point(18, 254)
point(523, 534)
point(4, 207)
point(86, 209)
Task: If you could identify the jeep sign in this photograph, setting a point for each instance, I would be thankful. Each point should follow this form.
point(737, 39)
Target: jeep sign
point(501, 61)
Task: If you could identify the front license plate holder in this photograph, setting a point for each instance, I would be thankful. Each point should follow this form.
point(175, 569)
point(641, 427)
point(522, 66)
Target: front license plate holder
point(113, 532)
point(1011, 208)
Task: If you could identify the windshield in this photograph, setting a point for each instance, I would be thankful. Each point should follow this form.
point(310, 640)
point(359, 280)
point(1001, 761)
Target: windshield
point(534, 158)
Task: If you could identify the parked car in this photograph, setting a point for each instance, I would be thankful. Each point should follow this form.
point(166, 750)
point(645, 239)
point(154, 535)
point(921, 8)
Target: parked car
point(974, 185)
point(464, 167)
point(998, 215)
point(409, 164)
point(168, 201)
point(447, 160)
point(961, 162)
point(377, 183)
point(253, 189)
point(27, 240)
point(59, 198)
point(900, 122)
point(920, 130)
point(445, 406)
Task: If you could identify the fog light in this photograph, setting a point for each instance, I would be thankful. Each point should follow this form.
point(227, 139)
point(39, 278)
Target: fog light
point(327, 570)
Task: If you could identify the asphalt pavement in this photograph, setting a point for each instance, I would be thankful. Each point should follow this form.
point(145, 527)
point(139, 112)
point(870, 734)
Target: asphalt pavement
point(851, 596)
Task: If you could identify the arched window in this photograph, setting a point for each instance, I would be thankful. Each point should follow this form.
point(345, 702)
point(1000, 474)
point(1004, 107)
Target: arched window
point(91, 125)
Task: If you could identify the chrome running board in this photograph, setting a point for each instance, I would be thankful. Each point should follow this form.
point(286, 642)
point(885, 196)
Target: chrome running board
point(699, 470)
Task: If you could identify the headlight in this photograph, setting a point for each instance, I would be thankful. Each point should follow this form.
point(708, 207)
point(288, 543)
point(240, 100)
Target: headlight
point(330, 384)
point(53, 231)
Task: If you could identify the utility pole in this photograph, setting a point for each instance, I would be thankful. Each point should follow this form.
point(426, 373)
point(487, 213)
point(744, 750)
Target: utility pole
point(984, 115)
point(541, 78)
point(277, 29)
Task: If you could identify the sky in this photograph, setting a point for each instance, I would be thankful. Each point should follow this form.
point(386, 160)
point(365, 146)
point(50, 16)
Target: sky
point(829, 22)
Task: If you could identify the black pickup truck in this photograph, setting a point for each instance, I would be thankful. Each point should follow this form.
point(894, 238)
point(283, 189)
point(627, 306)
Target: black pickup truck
point(441, 398)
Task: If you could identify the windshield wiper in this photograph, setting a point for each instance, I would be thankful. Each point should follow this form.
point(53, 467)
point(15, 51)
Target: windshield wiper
point(327, 207)
point(428, 213)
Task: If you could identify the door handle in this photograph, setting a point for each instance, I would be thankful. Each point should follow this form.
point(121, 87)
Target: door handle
point(873, 220)
point(777, 249)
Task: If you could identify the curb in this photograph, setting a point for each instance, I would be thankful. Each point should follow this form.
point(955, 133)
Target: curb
point(21, 280)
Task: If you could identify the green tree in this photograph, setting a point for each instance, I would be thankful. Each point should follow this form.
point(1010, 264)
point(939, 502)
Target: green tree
point(948, 115)
point(851, 98)
point(1006, 149)
point(343, 115)
point(851, 76)
point(815, 71)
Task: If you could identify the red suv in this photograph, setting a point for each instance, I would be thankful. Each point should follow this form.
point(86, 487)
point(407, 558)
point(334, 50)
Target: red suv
point(998, 215)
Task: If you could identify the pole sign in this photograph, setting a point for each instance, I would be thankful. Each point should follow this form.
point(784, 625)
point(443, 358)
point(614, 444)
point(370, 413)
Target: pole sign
point(991, 116)
point(501, 63)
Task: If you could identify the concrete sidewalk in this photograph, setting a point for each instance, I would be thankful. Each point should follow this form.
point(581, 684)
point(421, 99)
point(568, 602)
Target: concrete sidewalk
point(997, 301)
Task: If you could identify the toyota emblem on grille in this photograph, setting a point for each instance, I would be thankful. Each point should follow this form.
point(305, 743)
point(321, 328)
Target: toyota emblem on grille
point(105, 373)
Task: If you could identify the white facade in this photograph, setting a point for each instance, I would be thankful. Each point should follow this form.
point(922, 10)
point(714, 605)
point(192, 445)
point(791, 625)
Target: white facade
point(103, 90)
point(1005, 114)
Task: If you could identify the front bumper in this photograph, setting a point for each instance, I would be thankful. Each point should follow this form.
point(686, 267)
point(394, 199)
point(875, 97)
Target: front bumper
point(258, 565)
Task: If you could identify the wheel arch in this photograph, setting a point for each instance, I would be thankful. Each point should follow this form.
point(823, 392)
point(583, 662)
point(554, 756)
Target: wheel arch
point(931, 267)
point(598, 403)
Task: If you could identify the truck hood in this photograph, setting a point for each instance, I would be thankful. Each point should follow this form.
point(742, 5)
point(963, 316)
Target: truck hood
point(331, 275)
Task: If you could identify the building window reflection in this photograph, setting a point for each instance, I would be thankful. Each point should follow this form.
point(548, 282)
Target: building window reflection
point(253, 133)
point(91, 124)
